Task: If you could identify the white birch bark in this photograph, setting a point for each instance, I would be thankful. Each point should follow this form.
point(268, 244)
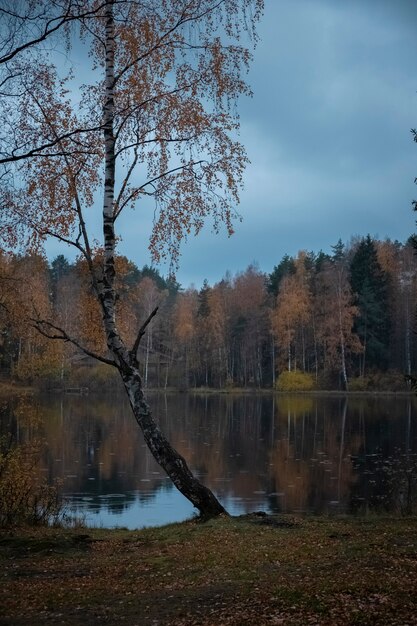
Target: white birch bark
point(126, 361)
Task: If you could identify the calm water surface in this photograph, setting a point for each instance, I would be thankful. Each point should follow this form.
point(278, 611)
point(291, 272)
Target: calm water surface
point(292, 454)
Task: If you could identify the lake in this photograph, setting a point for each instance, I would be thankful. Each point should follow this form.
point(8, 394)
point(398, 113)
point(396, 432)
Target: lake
point(283, 454)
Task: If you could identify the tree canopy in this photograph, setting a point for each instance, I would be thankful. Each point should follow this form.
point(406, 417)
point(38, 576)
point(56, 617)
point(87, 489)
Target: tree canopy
point(155, 119)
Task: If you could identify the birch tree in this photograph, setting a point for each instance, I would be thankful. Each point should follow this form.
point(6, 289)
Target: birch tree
point(291, 314)
point(336, 315)
point(156, 121)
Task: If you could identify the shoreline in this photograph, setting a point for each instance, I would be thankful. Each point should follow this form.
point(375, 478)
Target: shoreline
point(14, 389)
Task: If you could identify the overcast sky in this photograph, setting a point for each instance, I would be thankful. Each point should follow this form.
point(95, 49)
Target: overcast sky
point(327, 133)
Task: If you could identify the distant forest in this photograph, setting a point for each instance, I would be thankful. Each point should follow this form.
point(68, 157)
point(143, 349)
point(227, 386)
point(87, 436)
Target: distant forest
point(344, 320)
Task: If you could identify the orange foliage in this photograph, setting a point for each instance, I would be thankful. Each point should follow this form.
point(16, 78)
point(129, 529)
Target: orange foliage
point(293, 308)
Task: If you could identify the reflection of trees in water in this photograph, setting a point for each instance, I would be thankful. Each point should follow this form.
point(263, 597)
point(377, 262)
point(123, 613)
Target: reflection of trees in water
point(312, 460)
point(288, 453)
point(298, 450)
point(386, 483)
point(386, 462)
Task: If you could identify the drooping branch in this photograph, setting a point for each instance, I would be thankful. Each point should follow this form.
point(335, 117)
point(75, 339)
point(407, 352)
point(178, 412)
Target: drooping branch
point(150, 183)
point(164, 41)
point(52, 26)
point(41, 148)
point(171, 171)
point(159, 44)
point(158, 139)
point(86, 248)
point(62, 335)
point(131, 111)
point(5, 80)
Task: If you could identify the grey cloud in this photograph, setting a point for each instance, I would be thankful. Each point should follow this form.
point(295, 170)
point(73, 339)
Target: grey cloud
point(327, 132)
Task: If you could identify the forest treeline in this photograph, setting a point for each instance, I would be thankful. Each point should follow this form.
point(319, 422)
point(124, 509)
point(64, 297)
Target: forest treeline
point(343, 320)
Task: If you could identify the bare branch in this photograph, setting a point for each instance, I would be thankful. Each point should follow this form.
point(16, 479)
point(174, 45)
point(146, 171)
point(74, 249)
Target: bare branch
point(51, 26)
point(150, 183)
point(142, 331)
point(158, 140)
point(69, 242)
point(118, 206)
point(63, 336)
point(171, 171)
point(39, 150)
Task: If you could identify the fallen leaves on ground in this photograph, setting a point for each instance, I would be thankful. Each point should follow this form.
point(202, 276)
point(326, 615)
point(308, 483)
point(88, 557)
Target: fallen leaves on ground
point(228, 571)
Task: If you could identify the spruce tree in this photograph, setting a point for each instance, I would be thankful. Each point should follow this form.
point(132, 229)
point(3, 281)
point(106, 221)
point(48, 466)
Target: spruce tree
point(286, 267)
point(370, 285)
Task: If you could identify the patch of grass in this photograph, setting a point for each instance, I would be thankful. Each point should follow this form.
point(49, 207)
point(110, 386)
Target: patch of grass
point(32, 544)
point(228, 571)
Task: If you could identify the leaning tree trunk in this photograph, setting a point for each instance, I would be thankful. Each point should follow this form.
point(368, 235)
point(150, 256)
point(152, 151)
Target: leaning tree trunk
point(165, 455)
point(126, 360)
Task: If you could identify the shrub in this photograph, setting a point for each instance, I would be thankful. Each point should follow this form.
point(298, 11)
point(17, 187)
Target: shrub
point(295, 381)
point(96, 377)
point(25, 496)
point(379, 381)
point(358, 384)
point(388, 381)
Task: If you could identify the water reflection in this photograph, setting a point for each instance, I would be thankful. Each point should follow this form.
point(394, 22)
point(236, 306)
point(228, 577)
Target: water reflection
point(309, 454)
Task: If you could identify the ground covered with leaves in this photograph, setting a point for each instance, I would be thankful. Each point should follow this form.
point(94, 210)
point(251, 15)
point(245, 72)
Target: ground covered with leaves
point(256, 570)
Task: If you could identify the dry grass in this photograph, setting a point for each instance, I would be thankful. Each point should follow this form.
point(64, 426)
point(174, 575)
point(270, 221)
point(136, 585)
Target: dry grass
point(251, 571)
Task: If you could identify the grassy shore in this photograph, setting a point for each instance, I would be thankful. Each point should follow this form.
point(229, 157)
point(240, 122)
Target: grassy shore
point(238, 571)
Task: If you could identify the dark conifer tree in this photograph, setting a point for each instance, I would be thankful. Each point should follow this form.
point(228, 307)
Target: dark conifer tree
point(59, 268)
point(370, 284)
point(284, 268)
